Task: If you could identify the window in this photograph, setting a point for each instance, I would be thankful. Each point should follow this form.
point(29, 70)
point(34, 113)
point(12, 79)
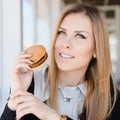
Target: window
point(36, 23)
point(0, 48)
point(113, 19)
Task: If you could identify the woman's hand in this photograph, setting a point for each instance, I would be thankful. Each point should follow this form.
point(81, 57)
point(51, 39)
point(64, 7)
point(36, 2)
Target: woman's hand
point(26, 103)
point(19, 79)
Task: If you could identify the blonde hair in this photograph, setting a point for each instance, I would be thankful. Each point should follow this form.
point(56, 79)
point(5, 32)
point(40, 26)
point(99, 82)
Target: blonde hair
point(98, 99)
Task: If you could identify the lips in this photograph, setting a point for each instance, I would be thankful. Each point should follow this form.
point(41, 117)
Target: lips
point(66, 56)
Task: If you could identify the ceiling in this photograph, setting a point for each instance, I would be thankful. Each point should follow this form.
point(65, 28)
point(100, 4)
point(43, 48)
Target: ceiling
point(95, 2)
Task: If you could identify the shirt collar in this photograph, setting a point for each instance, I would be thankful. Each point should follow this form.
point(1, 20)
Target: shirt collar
point(83, 88)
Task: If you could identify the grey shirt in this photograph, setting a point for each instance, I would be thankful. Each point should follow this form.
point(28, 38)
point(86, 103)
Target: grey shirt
point(70, 99)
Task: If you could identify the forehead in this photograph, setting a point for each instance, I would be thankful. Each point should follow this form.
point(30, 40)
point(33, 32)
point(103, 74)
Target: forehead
point(77, 21)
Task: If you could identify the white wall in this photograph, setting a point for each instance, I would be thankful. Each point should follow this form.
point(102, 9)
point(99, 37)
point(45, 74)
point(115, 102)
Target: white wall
point(55, 8)
point(10, 43)
point(0, 48)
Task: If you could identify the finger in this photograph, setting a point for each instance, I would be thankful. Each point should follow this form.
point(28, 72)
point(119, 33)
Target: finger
point(22, 65)
point(24, 61)
point(24, 99)
point(24, 105)
point(11, 104)
point(21, 53)
point(18, 93)
point(23, 112)
point(21, 56)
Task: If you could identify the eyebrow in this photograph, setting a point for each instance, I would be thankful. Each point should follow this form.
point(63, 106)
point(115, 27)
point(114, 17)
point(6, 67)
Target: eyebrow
point(82, 31)
point(63, 28)
point(74, 31)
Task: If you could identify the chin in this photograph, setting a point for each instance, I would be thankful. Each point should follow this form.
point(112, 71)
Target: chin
point(64, 67)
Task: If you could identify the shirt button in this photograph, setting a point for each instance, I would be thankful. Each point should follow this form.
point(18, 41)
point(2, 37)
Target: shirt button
point(67, 100)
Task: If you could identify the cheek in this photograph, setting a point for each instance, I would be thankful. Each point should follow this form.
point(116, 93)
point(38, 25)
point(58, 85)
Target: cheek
point(86, 53)
point(84, 46)
point(89, 55)
point(90, 50)
point(58, 42)
point(58, 45)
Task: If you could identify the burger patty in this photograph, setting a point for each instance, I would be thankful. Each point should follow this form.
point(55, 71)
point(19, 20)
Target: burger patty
point(36, 64)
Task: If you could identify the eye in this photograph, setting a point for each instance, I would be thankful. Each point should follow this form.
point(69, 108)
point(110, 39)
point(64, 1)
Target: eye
point(80, 36)
point(61, 32)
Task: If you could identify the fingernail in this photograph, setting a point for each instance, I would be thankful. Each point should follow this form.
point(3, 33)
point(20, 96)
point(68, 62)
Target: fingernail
point(31, 60)
point(30, 54)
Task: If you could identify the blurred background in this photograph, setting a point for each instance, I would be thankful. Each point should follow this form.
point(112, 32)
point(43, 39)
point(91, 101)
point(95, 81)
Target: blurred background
point(28, 22)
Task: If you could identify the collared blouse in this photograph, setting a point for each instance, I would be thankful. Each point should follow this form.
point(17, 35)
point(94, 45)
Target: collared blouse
point(70, 99)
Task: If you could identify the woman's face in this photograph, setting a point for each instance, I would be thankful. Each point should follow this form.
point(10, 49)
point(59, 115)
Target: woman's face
point(74, 46)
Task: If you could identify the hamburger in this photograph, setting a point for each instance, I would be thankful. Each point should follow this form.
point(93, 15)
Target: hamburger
point(39, 56)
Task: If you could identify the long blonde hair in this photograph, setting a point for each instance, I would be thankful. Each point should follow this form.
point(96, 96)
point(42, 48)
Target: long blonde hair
point(98, 99)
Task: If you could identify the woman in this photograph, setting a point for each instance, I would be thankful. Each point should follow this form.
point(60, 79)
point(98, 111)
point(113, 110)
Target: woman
point(78, 83)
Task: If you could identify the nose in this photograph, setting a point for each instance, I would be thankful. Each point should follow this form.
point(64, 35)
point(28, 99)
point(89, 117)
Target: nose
point(67, 43)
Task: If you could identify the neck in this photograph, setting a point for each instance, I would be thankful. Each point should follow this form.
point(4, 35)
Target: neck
point(72, 78)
